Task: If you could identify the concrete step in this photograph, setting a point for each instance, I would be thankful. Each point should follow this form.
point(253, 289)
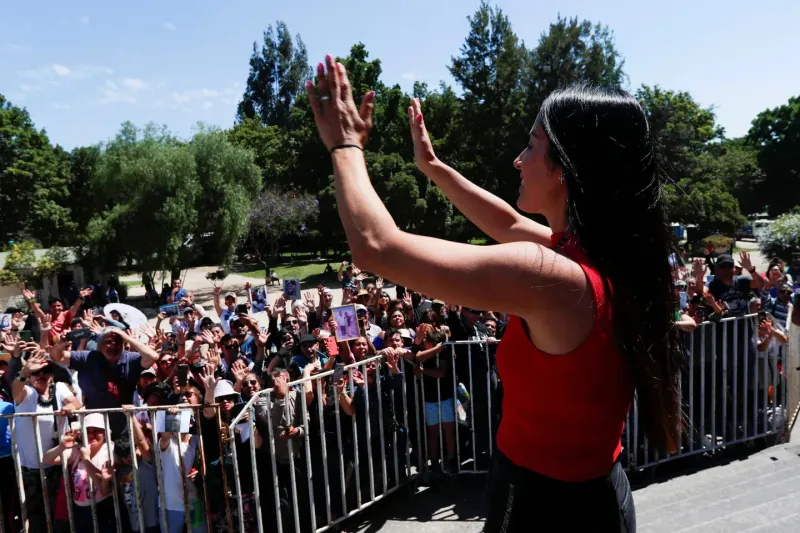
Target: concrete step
point(703, 481)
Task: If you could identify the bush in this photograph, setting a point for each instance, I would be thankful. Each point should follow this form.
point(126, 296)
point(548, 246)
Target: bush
point(781, 238)
point(718, 241)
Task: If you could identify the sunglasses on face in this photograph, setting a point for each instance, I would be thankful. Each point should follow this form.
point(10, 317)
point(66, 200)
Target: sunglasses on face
point(291, 322)
point(250, 382)
point(43, 371)
point(188, 394)
point(232, 346)
point(725, 265)
point(231, 399)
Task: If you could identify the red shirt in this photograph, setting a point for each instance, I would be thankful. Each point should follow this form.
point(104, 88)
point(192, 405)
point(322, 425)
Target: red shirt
point(60, 323)
point(563, 415)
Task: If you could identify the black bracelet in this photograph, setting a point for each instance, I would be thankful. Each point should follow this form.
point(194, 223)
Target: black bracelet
point(346, 146)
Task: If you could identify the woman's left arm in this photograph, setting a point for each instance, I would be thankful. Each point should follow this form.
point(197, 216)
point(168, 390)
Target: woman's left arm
point(528, 279)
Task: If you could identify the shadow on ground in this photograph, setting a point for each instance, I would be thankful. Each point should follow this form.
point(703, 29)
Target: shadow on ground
point(463, 501)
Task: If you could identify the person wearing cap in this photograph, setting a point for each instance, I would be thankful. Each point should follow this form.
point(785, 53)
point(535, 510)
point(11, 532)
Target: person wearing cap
point(228, 313)
point(779, 306)
point(85, 460)
point(221, 392)
point(728, 288)
point(34, 391)
point(108, 376)
point(309, 352)
point(364, 315)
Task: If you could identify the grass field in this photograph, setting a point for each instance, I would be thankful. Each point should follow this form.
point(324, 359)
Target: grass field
point(303, 271)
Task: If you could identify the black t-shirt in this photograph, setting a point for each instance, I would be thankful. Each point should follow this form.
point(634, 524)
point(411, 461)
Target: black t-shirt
point(445, 384)
point(736, 295)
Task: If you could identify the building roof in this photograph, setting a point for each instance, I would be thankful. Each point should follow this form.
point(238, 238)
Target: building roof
point(40, 252)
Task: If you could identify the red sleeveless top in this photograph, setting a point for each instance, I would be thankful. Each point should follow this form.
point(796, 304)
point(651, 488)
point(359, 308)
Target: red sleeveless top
point(563, 415)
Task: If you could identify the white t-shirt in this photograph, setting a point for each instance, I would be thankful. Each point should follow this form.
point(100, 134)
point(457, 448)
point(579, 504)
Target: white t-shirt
point(23, 426)
point(80, 476)
point(171, 471)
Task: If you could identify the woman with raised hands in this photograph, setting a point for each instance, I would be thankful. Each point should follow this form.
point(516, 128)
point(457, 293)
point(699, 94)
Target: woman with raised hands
point(590, 296)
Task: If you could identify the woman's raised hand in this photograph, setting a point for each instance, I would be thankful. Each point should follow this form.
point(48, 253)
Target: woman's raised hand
point(338, 120)
point(423, 148)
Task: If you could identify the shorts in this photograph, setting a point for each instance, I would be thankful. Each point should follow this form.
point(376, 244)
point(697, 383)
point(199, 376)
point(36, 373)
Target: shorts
point(432, 412)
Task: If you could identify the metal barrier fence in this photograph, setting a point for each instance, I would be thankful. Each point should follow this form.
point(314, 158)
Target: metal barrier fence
point(730, 391)
point(353, 446)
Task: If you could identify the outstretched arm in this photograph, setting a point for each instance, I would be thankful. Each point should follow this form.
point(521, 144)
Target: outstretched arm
point(532, 281)
point(494, 216)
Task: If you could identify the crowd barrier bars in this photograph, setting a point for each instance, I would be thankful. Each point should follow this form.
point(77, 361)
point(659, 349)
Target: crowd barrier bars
point(738, 372)
point(726, 385)
point(791, 369)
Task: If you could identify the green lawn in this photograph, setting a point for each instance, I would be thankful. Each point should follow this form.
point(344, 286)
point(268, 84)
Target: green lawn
point(304, 271)
point(132, 283)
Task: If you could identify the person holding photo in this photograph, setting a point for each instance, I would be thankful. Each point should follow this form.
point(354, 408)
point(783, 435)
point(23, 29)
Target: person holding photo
point(589, 325)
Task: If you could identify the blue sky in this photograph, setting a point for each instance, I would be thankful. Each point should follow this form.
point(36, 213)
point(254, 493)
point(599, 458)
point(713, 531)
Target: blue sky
point(82, 68)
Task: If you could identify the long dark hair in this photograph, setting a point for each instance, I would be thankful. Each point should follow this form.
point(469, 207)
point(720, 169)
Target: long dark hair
point(601, 139)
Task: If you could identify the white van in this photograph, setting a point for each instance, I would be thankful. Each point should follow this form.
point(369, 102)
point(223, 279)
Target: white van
point(759, 226)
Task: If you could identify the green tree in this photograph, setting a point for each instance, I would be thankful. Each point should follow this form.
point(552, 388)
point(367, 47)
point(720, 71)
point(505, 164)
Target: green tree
point(228, 179)
point(489, 70)
point(33, 181)
point(708, 204)
point(275, 217)
point(19, 264)
point(277, 72)
point(776, 135)
point(270, 146)
point(146, 191)
point(82, 162)
point(681, 128)
point(734, 163)
point(571, 51)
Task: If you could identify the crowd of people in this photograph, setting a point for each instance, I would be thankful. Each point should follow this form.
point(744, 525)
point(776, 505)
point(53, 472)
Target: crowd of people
point(358, 429)
point(398, 409)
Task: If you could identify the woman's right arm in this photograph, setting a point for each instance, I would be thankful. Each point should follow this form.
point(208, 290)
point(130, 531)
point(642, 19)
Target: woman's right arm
point(495, 217)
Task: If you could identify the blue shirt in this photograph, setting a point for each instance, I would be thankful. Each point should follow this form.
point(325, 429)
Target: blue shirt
point(301, 360)
point(105, 384)
point(180, 295)
point(6, 408)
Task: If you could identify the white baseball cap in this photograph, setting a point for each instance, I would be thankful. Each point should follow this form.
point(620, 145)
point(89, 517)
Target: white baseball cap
point(94, 420)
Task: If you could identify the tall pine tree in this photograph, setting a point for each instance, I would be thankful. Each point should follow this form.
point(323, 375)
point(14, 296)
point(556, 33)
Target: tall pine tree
point(277, 72)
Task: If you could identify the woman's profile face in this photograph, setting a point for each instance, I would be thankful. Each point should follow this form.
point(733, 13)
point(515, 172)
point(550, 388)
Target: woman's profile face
point(542, 188)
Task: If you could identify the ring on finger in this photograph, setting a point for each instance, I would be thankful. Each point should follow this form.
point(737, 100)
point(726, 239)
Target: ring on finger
point(324, 98)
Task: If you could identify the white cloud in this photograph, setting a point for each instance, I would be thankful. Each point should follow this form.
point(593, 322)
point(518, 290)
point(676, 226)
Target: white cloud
point(133, 84)
point(170, 26)
point(63, 107)
point(24, 87)
point(409, 76)
point(61, 70)
point(208, 105)
point(196, 95)
point(83, 20)
point(111, 93)
point(56, 71)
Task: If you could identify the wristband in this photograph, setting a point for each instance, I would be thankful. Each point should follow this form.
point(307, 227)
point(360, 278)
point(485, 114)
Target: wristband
point(345, 146)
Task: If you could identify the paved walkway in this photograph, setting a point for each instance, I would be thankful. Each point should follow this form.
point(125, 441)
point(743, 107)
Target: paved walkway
point(759, 493)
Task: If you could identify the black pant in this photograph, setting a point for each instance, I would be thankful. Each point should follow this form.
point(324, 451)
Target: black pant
point(522, 500)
